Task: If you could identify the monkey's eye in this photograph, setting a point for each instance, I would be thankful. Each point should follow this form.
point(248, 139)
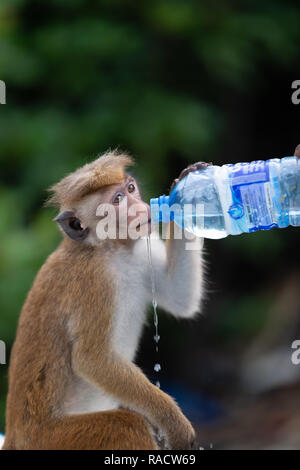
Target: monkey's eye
point(118, 198)
point(131, 188)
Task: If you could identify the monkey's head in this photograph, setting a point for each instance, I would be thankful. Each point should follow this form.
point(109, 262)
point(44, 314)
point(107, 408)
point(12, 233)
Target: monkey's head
point(101, 201)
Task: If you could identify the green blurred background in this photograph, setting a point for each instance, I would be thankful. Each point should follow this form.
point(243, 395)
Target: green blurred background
point(172, 82)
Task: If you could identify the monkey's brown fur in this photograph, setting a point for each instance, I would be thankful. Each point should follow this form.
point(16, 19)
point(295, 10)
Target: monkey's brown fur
point(105, 170)
point(65, 331)
point(41, 360)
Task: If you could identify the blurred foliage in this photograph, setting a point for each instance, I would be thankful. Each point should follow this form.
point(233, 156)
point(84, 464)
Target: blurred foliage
point(155, 78)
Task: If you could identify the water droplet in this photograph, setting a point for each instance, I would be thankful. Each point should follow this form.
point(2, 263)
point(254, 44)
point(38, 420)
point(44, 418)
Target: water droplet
point(157, 384)
point(157, 367)
point(201, 448)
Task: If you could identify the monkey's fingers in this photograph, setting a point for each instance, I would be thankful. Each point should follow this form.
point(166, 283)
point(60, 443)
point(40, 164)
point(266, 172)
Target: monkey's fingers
point(297, 151)
point(193, 167)
point(189, 169)
point(174, 184)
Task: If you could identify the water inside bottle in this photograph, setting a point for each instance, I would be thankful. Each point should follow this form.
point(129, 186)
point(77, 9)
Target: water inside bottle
point(199, 196)
point(289, 179)
point(212, 230)
point(210, 225)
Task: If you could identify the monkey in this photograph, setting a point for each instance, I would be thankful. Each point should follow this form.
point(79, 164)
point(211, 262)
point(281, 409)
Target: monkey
point(73, 382)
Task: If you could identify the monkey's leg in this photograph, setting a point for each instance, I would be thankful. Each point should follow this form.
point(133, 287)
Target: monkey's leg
point(107, 430)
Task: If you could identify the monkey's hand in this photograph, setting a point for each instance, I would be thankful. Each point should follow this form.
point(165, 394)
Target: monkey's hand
point(179, 433)
point(189, 169)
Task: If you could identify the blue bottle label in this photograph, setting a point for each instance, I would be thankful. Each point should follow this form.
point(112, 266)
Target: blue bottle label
point(252, 206)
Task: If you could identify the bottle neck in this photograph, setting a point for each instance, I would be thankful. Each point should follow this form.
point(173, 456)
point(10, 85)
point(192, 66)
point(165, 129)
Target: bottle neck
point(163, 200)
point(160, 209)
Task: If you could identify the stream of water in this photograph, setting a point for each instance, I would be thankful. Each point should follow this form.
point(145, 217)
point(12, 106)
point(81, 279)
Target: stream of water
point(157, 366)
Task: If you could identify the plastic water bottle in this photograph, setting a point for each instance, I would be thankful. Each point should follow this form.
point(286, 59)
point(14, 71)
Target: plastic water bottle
point(244, 197)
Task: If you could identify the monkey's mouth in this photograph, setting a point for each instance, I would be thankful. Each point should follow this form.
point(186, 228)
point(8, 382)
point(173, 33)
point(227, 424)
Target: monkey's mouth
point(144, 223)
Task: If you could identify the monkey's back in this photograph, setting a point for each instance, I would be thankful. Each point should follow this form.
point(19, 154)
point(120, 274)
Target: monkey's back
point(40, 364)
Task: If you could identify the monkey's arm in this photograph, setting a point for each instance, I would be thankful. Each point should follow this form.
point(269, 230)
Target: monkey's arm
point(126, 382)
point(178, 268)
point(178, 275)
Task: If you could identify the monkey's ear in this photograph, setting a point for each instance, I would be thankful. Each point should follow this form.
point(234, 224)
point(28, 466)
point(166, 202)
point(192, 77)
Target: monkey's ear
point(71, 225)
